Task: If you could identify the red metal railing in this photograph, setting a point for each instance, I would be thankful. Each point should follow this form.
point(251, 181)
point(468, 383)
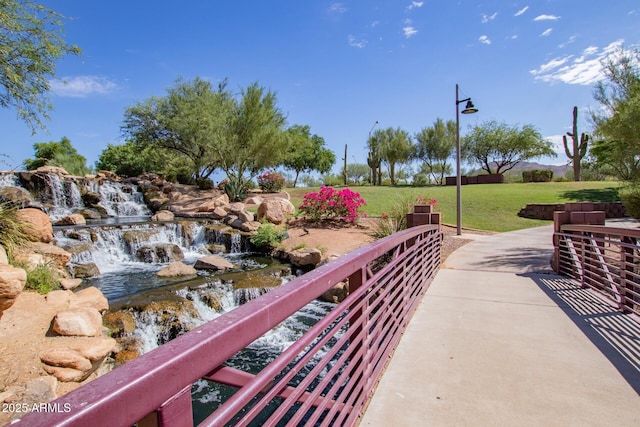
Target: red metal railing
point(325, 378)
point(605, 259)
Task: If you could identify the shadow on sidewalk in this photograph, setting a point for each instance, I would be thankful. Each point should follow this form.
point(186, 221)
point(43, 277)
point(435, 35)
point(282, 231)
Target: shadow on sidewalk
point(615, 334)
point(523, 259)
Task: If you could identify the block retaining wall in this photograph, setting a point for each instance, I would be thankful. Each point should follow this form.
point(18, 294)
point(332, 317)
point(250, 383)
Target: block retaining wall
point(545, 211)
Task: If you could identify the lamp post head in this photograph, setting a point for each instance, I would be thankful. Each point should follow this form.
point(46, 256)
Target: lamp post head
point(469, 108)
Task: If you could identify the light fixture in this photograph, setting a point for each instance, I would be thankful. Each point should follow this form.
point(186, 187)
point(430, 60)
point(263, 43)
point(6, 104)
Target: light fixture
point(468, 109)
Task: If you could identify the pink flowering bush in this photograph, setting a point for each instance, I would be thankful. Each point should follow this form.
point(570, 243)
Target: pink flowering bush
point(271, 182)
point(329, 203)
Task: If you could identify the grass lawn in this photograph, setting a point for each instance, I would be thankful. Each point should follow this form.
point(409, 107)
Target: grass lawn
point(491, 207)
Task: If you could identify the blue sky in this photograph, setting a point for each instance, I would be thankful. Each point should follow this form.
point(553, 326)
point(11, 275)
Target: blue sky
point(336, 66)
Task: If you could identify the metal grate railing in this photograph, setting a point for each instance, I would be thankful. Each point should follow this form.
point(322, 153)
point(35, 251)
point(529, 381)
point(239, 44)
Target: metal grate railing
point(325, 377)
point(604, 259)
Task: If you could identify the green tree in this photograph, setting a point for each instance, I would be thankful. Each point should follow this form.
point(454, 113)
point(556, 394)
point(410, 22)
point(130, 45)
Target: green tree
point(357, 172)
point(30, 44)
point(306, 152)
point(498, 147)
point(61, 154)
point(131, 160)
point(395, 148)
point(435, 145)
point(617, 123)
point(254, 137)
point(191, 121)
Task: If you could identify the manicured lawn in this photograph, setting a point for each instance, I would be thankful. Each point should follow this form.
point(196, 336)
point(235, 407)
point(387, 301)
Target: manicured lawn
point(491, 207)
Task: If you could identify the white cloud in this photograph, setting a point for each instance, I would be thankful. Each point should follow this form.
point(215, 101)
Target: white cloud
point(337, 8)
point(81, 86)
point(357, 43)
point(521, 11)
point(484, 39)
point(513, 37)
point(546, 18)
point(583, 70)
point(486, 18)
point(409, 31)
point(415, 4)
point(568, 42)
point(546, 32)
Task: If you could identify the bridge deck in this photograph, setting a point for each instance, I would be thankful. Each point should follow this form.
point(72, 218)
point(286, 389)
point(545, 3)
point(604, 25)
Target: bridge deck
point(500, 340)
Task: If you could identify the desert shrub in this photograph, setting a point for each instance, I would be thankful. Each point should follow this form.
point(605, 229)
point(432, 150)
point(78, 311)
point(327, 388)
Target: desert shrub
point(11, 229)
point(271, 182)
point(332, 179)
point(236, 190)
point(537, 175)
point(43, 278)
point(631, 200)
point(204, 183)
point(329, 203)
point(268, 236)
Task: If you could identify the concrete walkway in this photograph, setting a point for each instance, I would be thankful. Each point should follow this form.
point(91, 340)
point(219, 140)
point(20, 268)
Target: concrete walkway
point(499, 340)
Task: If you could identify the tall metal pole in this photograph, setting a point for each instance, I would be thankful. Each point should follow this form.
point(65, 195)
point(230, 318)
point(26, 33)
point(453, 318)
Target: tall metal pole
point(458, 178)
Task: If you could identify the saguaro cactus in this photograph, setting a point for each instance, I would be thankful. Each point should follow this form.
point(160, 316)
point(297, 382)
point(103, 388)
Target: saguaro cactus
point(579, 146)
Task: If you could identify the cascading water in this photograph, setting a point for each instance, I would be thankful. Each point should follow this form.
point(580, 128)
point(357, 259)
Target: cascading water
point(128, 257)
point(121, 200)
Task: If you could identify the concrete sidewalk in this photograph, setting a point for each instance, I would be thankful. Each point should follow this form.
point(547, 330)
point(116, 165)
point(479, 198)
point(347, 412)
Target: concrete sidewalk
point(499, 340)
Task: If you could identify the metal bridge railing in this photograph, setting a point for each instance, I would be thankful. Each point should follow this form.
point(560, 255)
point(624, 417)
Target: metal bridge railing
point(326, 377)
point(604, 259)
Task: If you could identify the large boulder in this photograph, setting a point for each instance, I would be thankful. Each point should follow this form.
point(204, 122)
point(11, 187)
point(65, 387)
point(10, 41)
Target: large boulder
point(38, 226)
point(89, 269)
point(177, 269)
point(305, 257)
point(213, 262)
point(163, 215)
point(160, 252)
point(51, 253)
point(90, 297)
point(53, 170)
point(83, 321)
point(73, 219)
point(12, 281)
point(275, 210)
point(17, 196)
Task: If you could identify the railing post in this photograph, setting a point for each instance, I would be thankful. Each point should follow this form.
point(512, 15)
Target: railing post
point(628, 263)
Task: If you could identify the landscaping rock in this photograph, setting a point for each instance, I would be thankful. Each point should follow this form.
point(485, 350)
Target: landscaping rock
point(90, 297)
point(41, 389)
point(17, 196)
point(213, 262)
point(305, 256)
point(60, 298)
point(160, 252)
point(177, 269)
point(69, 284)
point(121, 323)
point(65, 358)
point(337, 293)
point(88, 269)
point(275, 210)
point(38, 226)
point(12, 281)
point(83, 321)
point(73, 219)
point(163, 215)
point(95, 349)
point(3, 256)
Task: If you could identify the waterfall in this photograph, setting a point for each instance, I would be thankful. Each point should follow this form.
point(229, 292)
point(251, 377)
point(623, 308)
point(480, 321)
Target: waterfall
point(116, 248)
point(64, 197)
point(236, 243)
point(8, 180)
point(121, 200)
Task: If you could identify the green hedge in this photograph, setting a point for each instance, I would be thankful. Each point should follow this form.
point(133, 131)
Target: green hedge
point(537, 175)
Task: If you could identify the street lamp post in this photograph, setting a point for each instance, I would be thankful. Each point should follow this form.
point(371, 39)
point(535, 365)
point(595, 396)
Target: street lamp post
point(468, 109)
